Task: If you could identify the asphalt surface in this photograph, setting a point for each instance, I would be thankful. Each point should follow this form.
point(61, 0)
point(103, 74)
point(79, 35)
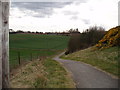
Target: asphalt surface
point(86, 76)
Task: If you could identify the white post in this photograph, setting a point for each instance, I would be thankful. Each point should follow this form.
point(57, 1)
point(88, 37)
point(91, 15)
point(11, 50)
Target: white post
point(4, 44)
point(0, 45)
point(119, 13)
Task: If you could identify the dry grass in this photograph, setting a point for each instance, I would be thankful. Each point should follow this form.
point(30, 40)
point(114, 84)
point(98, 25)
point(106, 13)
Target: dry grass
point(45, 73)
point(27, 76)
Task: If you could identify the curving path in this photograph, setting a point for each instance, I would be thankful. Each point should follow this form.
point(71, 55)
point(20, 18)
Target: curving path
point(86, 76)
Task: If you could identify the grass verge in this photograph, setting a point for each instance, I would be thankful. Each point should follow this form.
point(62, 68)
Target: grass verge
point(57, 76)
point(41, 74)
point(106, 59)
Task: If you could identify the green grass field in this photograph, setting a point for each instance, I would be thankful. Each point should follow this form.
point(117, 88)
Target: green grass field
point(31, 46)
point(31, 41)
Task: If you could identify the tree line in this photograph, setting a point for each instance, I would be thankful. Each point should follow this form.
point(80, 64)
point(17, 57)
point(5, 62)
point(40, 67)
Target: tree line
point(66, 33)
point(86, 39)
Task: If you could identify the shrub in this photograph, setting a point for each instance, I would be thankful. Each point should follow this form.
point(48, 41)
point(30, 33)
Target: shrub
point(112, 38)
point(86, 39)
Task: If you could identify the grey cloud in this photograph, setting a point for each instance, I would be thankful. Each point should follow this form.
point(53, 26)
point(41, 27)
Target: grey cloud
point(78, 2)
point(47, 0)
point(39, 5)
point(42, 8)
point(74, 18)
point(45, 8)
point(86, 21)
point(70, 13)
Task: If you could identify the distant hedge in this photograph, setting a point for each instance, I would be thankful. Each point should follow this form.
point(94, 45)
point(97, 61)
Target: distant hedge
point(85, 39)
point(112, 38)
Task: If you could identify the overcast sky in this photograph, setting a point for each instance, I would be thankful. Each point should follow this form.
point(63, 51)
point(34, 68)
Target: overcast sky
point(62, 16)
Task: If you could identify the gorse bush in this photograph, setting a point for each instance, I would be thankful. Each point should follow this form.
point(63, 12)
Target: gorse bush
point(86, 39)
point(112, 38)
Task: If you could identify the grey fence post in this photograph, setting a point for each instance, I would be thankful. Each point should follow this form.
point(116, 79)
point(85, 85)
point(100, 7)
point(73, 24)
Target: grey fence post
point(19, 58)
point(31, 56)
point(4, 44)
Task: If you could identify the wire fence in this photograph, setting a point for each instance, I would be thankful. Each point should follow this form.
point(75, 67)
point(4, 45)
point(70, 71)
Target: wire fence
point(20, 59)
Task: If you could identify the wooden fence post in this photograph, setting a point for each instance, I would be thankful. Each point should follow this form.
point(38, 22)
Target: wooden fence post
point(19, 60)
point(4, 44)
point(31, 56)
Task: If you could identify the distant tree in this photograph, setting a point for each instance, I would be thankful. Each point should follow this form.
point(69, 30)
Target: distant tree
point(73, 30)
point(28, 31)
point(37, 32)
point(41, 32)
point(11, 30)
point(93, 35)
point(20, 31)
point(77, 30)
point(87, 38)
point(33, 32)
